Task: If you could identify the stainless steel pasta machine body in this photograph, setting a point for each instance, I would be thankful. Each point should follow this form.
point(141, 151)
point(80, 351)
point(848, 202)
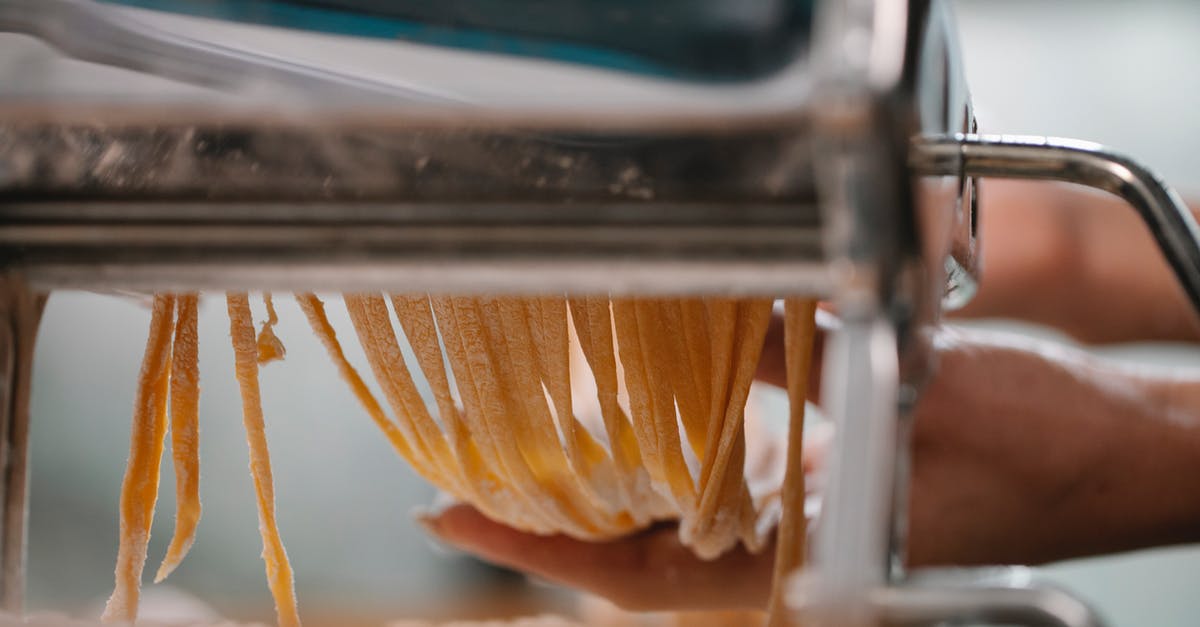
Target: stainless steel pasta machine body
point(860, 189)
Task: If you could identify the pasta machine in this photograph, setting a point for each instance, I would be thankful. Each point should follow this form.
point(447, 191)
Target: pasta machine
point(820, 148)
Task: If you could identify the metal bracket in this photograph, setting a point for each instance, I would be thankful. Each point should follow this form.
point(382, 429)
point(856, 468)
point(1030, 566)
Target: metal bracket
point(945, 597)
point(1072, 161)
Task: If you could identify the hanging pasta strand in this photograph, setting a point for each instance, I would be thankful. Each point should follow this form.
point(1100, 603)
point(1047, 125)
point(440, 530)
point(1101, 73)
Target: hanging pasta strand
point(722, 335)
point(556, 368)
point(314, 311)
point(758, 312)
point(185, 433)
point(537, 432)
point(682, 374)
point(594, 327)
point(723, 493)
point(270, 348)
point(472, 359)
point(492, 483)
point(480, 485)
point(535, 435)
point(583, 451)
point(416, 319)
point(139, 489)
point(662, 398)
point(637, 384)
point(792, 535)
point(509, 442)
point(245, 352)
point(374, 328)
point(694, 316)
point(722, 318)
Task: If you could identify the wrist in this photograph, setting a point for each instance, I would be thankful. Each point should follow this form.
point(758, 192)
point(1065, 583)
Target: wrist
point(1144, 491)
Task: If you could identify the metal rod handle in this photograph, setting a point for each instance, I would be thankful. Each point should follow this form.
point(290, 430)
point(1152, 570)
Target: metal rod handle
point(1084, 163)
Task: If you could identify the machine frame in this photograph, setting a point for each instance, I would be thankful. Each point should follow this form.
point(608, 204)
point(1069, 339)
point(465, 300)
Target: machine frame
point(862, 191)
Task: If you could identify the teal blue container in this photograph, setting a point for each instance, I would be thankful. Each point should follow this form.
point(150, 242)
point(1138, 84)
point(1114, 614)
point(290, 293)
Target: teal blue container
point(697, 40)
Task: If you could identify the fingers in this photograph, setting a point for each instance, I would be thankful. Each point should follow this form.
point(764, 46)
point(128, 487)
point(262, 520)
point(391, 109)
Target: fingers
point(649, 571)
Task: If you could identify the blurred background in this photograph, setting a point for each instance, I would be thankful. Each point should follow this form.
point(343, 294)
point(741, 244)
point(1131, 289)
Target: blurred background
point(1122, 72)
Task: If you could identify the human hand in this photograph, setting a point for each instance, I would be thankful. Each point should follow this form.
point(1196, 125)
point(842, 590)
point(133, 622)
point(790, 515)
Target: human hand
point(1022, 453)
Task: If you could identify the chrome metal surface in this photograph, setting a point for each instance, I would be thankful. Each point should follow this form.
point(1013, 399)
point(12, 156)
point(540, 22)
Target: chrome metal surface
point(403, 202)
point(1085, 163)
point(912, 606)
point(993, 596)
point(851, 552)
point(500, 277)
point(819, 202)
point(97, 32)
point(863, 116)
point(1008, 596)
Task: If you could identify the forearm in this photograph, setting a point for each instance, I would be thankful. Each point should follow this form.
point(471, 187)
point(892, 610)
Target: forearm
point(1078, 261)
point(1142, 489)
point(1028, 452)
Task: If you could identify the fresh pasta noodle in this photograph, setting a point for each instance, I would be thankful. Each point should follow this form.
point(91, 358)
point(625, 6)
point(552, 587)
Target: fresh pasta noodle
point(538, 436)
point(637, 387)
point(416, 319)
point(314, 310)
point(185, 433)
point(371, 322)
point(139, 490)
point(723, 492)
point(593, 324)
point(505, 430)
point(269, 347)
point(584, 454)
point(799, 331)
point(245, 352)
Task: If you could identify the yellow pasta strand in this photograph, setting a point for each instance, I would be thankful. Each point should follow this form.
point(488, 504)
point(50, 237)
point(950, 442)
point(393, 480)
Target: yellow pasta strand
point(491, 482)
point(694, 317)
point(538, 444)
point(185, 433)
point(245, 351)
point(593, 325)
point(514, 448)
point(665, 419)
point(792, 534)
point(722, 334)
point(416, 319)
point(314, 311)
point(479, 484)
point(139, 489)
point(585, 454)
point(638, 385)
point(556, 360)
point(269, 347)
point(373, 325)
point(537, 434)
point(683, 375)
point(723, 492)
point(471, 360)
